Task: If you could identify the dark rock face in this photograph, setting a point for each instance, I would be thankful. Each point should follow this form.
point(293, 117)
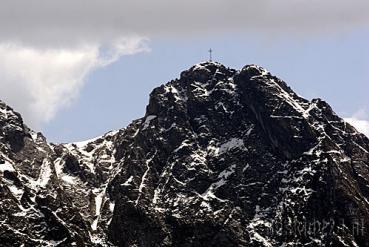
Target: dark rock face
point(221, 158)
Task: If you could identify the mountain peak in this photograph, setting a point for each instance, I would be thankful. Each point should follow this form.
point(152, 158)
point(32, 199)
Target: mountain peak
point(222, 157)
point(203, 71)
point(207, 64)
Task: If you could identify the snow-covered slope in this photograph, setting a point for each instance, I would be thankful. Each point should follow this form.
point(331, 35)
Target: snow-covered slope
point(221, 158)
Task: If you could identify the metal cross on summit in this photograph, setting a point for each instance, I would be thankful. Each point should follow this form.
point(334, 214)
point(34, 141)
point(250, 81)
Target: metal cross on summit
point(210, 53)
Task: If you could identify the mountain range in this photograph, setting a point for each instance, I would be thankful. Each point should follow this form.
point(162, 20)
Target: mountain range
point(222, 157)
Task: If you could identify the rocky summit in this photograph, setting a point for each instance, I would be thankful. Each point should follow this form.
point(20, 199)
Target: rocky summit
point(222, 157)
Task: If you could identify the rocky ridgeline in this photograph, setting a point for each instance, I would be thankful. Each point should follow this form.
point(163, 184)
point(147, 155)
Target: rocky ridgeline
point(221, 158)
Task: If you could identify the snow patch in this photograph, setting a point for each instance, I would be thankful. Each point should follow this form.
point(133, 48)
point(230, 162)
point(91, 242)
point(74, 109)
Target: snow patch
point(258, 238)
point(17, 192)
point(94, 224)
point(178, 96)
point(33, 135)
point(98, 202)
point(68, 179)
point(143, 179)
point(222, 179)
point(128, 182)
point(258, 221)
point(45, 174)
point(200, 88)
point(183, 144)
point(199, 67)
point(99, 196)
point(7, 167)
point(147, 121)
point(59, 172)
point(82, 144)
point(111, 206)
point(231, 144)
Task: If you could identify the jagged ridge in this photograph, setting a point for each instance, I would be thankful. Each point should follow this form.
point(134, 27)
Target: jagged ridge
point(221, 158)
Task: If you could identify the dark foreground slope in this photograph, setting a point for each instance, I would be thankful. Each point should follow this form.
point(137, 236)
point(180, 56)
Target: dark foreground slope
point(221, 158)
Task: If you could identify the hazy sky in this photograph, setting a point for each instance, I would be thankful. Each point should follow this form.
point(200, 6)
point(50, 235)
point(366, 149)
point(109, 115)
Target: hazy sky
point(76, 69)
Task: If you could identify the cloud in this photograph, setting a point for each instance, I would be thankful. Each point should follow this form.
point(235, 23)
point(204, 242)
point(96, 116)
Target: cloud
point(70, 21)
point(38, 82)
point(361, 125)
